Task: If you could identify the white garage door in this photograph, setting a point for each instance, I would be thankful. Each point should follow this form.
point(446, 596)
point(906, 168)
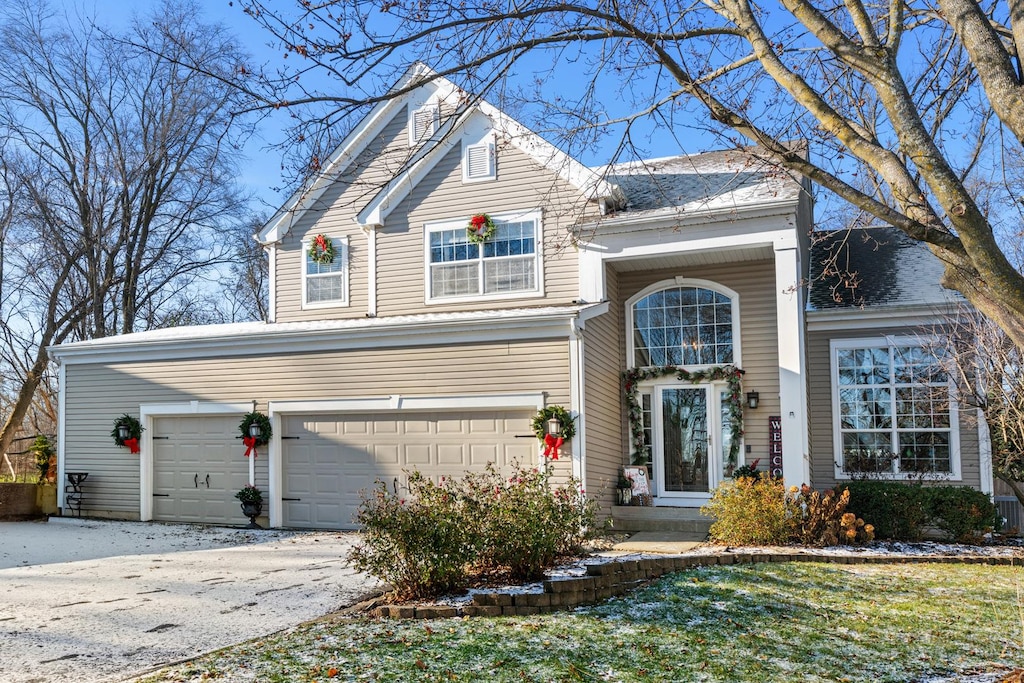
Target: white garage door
point(329, 459)
point(198, 466)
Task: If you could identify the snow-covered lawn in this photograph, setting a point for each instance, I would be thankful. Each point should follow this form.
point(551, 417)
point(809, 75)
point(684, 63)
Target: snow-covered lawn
point(759, 622)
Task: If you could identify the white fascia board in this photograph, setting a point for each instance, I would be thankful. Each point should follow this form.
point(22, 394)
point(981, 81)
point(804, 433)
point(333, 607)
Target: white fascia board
point(401, 186)
point(376, 404)
point(346, 152)
point(678, 217)
point(584, 178)
point(484, 329)
point(830, 320)
point(718, 236)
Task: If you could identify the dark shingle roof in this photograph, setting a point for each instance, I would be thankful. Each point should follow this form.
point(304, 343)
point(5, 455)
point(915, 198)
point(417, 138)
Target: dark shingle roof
point(873, 267)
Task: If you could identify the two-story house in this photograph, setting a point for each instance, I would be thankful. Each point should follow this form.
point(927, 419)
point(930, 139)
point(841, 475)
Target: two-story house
point(401, 337)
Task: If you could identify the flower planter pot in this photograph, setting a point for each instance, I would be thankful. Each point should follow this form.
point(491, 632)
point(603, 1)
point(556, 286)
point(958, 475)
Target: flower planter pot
point(252, 511)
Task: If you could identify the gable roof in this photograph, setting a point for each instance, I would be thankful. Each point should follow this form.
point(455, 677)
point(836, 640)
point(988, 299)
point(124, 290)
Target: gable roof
point(590, 184)
point(877, 267)
point(710, 181)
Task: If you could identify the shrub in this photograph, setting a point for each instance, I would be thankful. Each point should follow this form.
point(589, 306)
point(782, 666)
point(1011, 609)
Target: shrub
point(898, 511)
point(964, 513)
point(420, 544)
point(523, 522)
point(749, 511)
point(822, 518)
point(424, 544)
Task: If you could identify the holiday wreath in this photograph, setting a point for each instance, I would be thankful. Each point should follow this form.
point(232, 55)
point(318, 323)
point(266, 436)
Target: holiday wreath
point(481, 228)
point(321, 250)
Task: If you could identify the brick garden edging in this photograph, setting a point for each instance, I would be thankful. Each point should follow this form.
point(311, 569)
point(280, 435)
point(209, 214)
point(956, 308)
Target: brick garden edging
point(606, 580)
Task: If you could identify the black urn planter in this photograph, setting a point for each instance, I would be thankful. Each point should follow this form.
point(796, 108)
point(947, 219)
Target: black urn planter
point(252, 511)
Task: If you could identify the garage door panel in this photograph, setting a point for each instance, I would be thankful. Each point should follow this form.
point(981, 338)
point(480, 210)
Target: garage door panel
point(329, 468)
point(197, 469)
point(417, 455)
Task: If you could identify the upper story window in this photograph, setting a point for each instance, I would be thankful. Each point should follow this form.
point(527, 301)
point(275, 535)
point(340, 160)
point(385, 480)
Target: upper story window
point(891, 409)
point(685, 323)
point(506, 265)
point(423, 122)
point(478, 161)
point(325, 284)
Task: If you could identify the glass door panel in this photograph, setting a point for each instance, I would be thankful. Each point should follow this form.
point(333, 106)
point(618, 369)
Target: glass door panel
point(684, 441)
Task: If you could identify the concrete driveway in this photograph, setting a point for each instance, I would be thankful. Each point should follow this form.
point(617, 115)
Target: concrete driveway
point(86, 600)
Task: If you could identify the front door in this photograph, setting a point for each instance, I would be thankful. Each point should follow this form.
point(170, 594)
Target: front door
point(687, 460)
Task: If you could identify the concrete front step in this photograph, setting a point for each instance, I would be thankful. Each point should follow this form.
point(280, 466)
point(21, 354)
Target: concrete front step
point(688, 521)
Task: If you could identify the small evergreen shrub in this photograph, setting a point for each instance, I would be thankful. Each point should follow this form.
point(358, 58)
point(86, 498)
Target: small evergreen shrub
point(419, 543)
point(898, 511)
point(525, 522)
point(964, 513)
point(902, 511)
point(749, 511)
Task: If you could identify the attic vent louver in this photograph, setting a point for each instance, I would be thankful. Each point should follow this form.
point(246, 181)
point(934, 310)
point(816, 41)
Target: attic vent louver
point(478, 162)
point(423, 123)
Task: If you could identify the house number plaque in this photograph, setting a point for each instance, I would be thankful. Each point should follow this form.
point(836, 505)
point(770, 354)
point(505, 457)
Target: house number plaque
point(775, 445)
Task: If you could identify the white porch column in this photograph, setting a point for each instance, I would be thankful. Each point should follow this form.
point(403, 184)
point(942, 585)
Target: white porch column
point(792, 371)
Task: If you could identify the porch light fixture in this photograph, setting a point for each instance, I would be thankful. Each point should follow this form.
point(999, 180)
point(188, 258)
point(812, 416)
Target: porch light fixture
point(255, 431)
point(753, 398)
point(554, 426)
point(123, 432)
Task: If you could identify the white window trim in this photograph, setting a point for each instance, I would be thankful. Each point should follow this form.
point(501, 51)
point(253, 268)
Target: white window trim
point(835, 345)
point(734, 298)
point(434, 109)
point(536, 215)
point(488, 144)
point(340, 252)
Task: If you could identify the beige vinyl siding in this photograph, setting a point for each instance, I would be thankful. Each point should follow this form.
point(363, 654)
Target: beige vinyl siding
point(97, 394)
point(333, 215)
point(521, 185)
point(604, 407)
point(754, 282)
point(823, 455)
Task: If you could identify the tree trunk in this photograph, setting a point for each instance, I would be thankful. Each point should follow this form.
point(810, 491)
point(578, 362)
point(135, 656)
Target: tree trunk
point(24, 401)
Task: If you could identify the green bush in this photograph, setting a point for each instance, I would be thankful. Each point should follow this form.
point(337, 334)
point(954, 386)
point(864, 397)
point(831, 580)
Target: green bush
point(965, 514)
point(425, 544)
point(749, 511)
point(901, 511)
point(419, 544)
point(898, 511)
point(525, 522)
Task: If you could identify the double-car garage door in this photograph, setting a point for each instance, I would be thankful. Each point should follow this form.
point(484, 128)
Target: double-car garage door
point(327, 460)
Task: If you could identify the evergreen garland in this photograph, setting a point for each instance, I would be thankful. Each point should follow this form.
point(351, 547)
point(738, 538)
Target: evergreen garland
point(729, 373)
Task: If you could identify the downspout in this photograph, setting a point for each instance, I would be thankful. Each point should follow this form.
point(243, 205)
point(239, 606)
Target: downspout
point(371, 270)
point(61, 430)
point(271, 250)
point(576, 401)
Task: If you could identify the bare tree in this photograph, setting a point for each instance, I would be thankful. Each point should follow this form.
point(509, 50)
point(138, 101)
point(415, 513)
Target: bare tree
point(903, 103)
point(118, 167)
point(988, 369)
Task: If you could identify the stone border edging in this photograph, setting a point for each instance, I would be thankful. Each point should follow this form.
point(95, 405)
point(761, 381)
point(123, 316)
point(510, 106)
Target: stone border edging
point(610, 579)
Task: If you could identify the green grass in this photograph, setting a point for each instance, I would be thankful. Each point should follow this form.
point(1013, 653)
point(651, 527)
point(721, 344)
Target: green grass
point(764, 622)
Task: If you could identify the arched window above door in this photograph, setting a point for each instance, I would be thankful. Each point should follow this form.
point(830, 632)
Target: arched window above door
point(684, 322)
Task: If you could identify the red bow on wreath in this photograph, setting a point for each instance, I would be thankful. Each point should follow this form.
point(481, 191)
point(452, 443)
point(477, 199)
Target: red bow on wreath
point(551, 445)
point(250, 445)
point(321, 242)
point(132, 444)
point(479, 223)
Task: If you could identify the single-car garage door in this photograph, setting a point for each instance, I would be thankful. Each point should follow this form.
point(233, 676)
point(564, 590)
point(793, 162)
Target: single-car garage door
point(329, 459)
point(198, 466)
